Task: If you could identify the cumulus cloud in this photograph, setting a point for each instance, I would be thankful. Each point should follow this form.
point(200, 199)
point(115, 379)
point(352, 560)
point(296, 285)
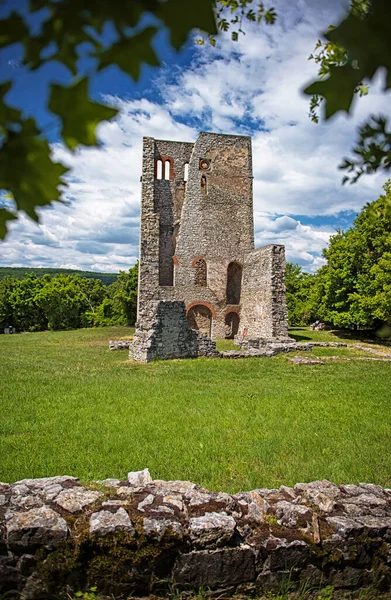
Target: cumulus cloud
point(252, 87)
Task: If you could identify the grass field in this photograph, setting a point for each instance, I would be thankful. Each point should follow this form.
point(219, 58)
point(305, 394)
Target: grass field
point(70, 406)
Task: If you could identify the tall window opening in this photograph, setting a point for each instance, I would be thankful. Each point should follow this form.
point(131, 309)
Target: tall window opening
point(159, 169)
point(231, 325)
point(203, 185)
point(186, 172)
point(234, 283)
point(167, 169)
point(200, 274)
point(200, 318)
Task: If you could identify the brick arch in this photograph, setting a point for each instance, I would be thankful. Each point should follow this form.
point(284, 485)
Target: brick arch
point(232, 310)
point(164, 159)
point(198, 303)
point(193, 264)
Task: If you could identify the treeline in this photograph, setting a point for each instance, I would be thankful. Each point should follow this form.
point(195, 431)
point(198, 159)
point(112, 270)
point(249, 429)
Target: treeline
point(67, 301)
point(21, 272)
point(353, 288)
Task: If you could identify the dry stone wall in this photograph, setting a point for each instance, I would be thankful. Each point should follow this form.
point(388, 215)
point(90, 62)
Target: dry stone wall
point(142, 536)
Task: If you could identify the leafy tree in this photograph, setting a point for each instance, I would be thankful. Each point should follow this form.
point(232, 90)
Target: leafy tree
point(298, 295)
point(352, 55)
point(67, 301)
point(63, 301)
point(355, 284)
point(71, 30)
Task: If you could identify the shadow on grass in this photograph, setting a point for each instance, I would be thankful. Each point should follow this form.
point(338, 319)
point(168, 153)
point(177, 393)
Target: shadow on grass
point(299, 338)
point(301, 334)
point(368, 337)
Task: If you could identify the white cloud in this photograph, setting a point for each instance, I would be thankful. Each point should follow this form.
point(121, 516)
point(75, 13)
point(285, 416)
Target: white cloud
point(252, 86)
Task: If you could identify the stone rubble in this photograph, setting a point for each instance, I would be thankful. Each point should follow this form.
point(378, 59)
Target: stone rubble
point(58, 537)
point(119, 344)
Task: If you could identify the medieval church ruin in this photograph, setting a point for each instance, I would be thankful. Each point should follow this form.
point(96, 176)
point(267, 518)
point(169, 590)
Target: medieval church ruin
point(197, 257)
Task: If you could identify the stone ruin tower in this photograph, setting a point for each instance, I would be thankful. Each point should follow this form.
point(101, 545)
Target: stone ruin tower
point(197, 240)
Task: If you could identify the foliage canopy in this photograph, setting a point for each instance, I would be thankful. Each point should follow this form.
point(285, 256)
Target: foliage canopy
point(67, 301)
point(348, 61)
point(71, 30)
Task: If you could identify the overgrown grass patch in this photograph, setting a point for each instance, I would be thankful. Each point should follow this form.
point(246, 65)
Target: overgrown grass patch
point(70, 406)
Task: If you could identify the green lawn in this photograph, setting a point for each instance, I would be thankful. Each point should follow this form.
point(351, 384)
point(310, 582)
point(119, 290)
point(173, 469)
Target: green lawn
point(70, 406)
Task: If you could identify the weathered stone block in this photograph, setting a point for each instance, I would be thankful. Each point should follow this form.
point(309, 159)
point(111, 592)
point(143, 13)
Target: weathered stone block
point(228, 566)
point(36, 527)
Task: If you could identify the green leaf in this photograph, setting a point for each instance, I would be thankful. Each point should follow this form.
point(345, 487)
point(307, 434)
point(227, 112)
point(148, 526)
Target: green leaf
point(337, 90)
point(12, 30)
point(129, 53)
point(7, 114)
point(79, 114)
point(5, 215)
point(182, 17)
point(27, 170)
point(368, 39)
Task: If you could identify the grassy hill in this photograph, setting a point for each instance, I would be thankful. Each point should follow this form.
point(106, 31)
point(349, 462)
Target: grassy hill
point(21, 272)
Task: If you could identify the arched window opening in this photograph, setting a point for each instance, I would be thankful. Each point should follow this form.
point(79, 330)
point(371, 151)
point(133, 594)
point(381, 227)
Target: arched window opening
point(159, 169)
point(167, 169)
point(203, 185)
point(200, 274)
point(231, 325)
point(199, 317)
point(234, 283)
point(186, 172)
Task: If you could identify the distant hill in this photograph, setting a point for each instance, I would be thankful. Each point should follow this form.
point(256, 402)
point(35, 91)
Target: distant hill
point(21, 272)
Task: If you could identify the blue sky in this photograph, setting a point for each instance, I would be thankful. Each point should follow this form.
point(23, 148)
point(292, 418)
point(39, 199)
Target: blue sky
point(250, 87)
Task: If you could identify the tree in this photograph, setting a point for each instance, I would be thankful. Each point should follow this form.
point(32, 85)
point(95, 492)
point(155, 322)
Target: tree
point(354, 287)
point(67, 301)
point(298, 295)
point(350, 58)
point(71, 30)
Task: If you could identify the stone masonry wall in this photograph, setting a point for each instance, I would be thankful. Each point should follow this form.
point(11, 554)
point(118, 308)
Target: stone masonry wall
point(163, 333)
point(141, 536)
point(264, 313)
point(207, 218)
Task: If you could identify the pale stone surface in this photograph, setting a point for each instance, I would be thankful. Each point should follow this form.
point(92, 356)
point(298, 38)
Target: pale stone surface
point(147, 500)
point(212, 528)
point(304, 360)
point(139, 478)
point(174, 499)
point(111, 482)
point(76, 499)
point(43, 482)
point(104, 522)
point(257, 506)
point(289, 514)
point(38, 526)
point(182, 487)
point(158, 527)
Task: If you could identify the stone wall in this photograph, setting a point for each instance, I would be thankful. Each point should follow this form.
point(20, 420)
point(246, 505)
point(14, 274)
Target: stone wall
point(143, 537)
point(163, 333)
point(264, 312)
